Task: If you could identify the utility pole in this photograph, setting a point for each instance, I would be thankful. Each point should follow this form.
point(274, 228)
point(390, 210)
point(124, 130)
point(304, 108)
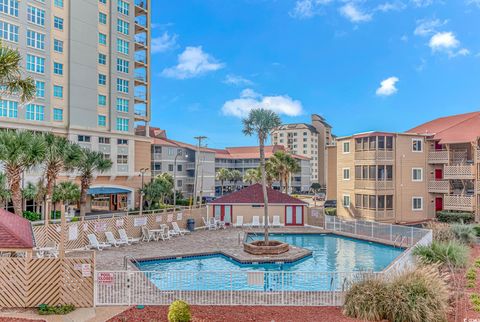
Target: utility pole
point(197, 163)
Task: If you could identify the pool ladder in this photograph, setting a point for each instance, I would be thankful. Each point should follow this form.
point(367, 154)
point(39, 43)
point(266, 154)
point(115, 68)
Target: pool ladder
point(125, 261)
point(400, 239)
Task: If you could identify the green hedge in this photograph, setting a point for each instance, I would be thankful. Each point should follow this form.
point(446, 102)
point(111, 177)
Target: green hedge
point(455, 217)
point(32, 216)
point(331, 211)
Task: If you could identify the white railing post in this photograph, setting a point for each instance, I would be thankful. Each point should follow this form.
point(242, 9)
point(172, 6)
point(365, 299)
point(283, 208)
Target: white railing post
point(355, 227)
point(391, 231)
point(372, 228)
point(129, 288)
point(411, 236)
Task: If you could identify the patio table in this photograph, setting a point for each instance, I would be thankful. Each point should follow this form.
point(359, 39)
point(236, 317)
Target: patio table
point(157, 233)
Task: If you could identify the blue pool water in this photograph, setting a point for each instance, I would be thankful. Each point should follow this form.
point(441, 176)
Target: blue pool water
point(330, 254)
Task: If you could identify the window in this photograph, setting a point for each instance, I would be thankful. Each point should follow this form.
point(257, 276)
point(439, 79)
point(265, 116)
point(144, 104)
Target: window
point(122, 26)
point(179, 167)
point(122, 142)
point(102, 100)
point(102, 18)
point(102, 120)
point(170, 151)
point(58, 3)
point(417, 145)
point(57, 68)
point(122, 85)
point(103, 140)
point(58, 91)
point(40, 89)
point(102, 39)
point(35, 39)
point(123, 7)
point(346, 201)
point(8, 31)
point(122, 159)
point(35, 64)
point(417, 174)
point(84, 138)
point(123, 46)
point(122, 104)
point(346, 174)
point(9, 7)
point(417, 203)
point(102, 79)
point(35, 112)
point(8, 108)
point(122, 65)
point(57, 114)
point(102, 59)
point(58, 46)
point(179, 183)
point(346, 147)
point(122, 124)
point(36, 15)
point(58, 23)
point(170, 167)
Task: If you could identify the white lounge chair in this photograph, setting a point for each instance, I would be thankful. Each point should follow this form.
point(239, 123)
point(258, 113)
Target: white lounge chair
point(239, 222)
point(113, 241)
point(94, 243)
point(255, 221)
point(168, 232)
point(208, 224)
point(276, 221)
point(179, 230)
point(124, 237)
point(220, 224)
point(147, 235)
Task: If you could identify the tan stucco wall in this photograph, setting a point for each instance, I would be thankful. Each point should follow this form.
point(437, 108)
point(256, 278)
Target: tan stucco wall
point(332, 172)
point(143, 155)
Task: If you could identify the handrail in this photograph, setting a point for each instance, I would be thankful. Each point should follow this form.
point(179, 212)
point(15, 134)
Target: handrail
point(125, 261)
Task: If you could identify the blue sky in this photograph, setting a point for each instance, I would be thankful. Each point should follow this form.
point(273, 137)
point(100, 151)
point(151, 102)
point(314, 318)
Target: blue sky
point(363, 65)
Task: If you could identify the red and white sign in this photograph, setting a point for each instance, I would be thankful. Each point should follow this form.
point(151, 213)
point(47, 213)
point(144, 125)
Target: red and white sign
point(105, 278)
point(86, 270)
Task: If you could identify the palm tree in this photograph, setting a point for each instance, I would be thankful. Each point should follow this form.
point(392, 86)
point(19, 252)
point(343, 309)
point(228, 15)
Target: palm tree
point(157, 189)
point(292, 167)
point(261, 122)
point(223, 175)
point(284, 165)
point(35, 192)
point(235, 176)
point(11, 79)
point(4, 191)
point(66, 192)
point(252, 176)
point(19, 151)
point(89, 163)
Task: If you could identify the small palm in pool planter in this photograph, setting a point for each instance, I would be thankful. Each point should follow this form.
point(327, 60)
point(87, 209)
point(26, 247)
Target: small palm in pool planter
point(179, 311)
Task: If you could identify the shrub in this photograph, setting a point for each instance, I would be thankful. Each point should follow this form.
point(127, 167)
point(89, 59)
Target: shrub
point(477, 230)
point(420, 295)
point(475, 300)
point(471, 277)
point(455, 217)
point(55, 214)
point(441, 231)
point(331, 211)
point(45, 309)
point(464, 233)
point(179, 311)
point(366, 300)
point(444, 253)
point(32, 216)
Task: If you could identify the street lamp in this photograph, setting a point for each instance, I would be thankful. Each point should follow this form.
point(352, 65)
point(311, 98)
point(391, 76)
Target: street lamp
point(142, 174)
point(175, 178)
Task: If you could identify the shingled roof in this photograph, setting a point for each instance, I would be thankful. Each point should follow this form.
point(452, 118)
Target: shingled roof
point(253, 195)
point(15, 232)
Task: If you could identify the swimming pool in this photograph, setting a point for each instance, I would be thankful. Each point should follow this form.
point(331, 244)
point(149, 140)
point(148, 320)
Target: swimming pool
point(331, 256)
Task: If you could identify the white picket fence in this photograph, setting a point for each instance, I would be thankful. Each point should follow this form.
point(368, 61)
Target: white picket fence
point(263, 288)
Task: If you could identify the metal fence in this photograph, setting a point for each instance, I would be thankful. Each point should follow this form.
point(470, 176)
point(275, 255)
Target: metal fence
point(290, 288)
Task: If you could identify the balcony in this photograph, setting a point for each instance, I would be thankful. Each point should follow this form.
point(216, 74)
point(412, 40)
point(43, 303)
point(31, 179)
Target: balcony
point(458, 202)
point(375, 155)
point(477, 155)
point(140, 7)
point(157, 156)
point(140, 43)
point(439, 186)
point(140, 79)
point(438, 157)
point(371, 214)
point(459, 172)
point(374, 185)
point(190, 166)
point(190, 180)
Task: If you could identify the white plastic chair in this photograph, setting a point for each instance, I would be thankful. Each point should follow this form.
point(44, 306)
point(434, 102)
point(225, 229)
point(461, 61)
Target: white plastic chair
point(147, 235)
point(255, 221)
point(124, 237)
point(276, 221)
point(209, 225)
point(239, 222)
point(113, 241)
point(179, 230)
point(94, 243)
point(168, 232)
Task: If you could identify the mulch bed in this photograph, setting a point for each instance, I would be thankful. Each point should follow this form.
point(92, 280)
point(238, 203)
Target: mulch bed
point(238, 313)
point(19, 320)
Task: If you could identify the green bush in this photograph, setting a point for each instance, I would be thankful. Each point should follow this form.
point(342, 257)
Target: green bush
point(455, 217)
point(464, 233)
point(45, 309)
point(331, 211)
point(366, 300)
point(449, 253)
point(55, 214)
point(179, 311)
point(477, 230)
point(419, 295)
point(183, 202)
point(475, 300)
point(32, 216)
point(471, 277)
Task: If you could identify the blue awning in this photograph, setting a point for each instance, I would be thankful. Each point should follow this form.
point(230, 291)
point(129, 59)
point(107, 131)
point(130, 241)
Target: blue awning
point(106, 191)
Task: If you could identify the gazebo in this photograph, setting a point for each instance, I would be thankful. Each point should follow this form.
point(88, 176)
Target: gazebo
point(16, 235)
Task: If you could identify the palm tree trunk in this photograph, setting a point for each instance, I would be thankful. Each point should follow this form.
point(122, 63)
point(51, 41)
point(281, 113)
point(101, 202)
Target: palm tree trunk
point(261, 140)
point(14, 176)
point(222, 187)
point(84, 184)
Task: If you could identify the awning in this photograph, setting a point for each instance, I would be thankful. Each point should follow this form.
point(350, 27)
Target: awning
point(106, 191)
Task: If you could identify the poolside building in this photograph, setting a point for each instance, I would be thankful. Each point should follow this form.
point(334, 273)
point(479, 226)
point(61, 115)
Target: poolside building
point(16, 235)
point(248, 202)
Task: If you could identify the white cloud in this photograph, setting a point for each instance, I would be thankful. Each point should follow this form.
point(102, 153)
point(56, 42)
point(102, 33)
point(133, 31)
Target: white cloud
point(164, 42)
point(443, 41)
point(474, 2)
point(308, 8)
point(249, 99)
point(387, 87)
point(354, 14)
point(191, 63)
point(427, 27)
point(422, 3)
point(391, 6)
point(236, 80)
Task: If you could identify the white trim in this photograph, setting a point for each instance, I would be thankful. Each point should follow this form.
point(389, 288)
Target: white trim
point(421, 144)
point(421, 175)
point(343, 147)
point(343, 174)
point(343, 200)
point(417, 197)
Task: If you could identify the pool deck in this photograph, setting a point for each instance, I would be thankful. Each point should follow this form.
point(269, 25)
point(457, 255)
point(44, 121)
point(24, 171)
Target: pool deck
point(224, 241)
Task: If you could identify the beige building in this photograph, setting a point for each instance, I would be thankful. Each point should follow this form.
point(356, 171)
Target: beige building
point(408, 177)
point(308, 140)
point(90, 61)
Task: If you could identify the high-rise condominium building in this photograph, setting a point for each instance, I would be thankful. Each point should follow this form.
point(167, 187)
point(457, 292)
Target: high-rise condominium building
point(90, 62)
point(308, 140)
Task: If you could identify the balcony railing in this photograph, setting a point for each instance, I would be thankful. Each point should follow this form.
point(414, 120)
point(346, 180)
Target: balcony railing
point(373, 185)
point(459, 172)
point(141, 4)
point(459, 202)
point(190, 166)
point(439, 186)
point(190, 180)
point(157, 156)
point(375, 214)
point(478, 155)
point(438, 157)
point(377, 155)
